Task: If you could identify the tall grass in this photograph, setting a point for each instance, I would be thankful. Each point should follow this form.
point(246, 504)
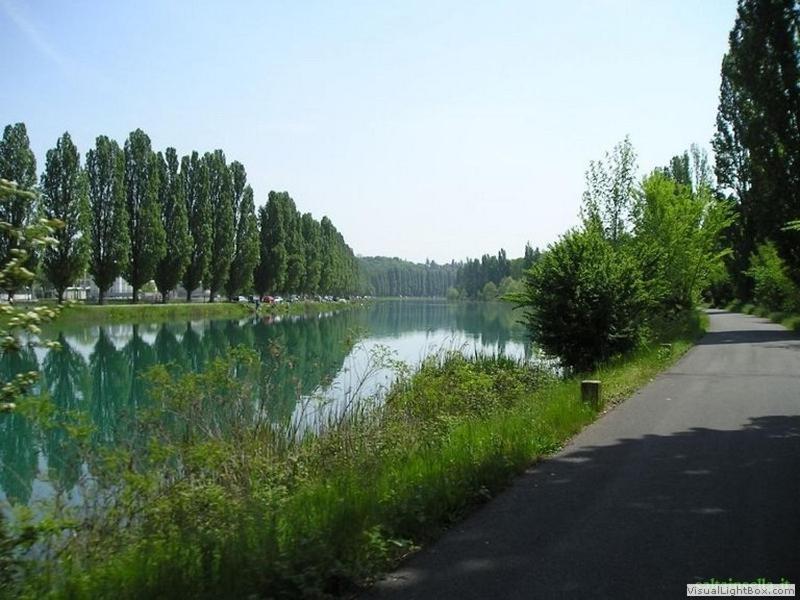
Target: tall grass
point(213, 501)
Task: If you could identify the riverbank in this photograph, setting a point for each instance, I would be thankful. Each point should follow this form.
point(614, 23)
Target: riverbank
point(249, 513)
point(93, 314)
point(789, 320)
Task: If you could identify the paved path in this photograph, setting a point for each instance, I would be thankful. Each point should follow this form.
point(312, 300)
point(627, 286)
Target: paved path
point(696, 476)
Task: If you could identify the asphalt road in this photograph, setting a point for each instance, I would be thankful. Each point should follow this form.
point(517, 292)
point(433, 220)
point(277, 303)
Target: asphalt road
point(695, 477)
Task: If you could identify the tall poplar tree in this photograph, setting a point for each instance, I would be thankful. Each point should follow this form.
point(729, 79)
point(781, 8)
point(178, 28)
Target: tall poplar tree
point(194, 173)
point(146, 232)
point(18, 164)
point(295, 250)
point(246, 241)
point(271, 274)
point(312, 238)
point(64, 197)
point(110, 244)
point(220, 193)
point(757, 142)
point(172, 199)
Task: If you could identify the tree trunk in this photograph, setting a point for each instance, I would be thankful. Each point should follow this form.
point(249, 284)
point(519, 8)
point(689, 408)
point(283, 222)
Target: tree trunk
point(101, 296)
point(211, 295)
point(188, 296)
point(135, 295)
point(60, 294)
point(164, 297)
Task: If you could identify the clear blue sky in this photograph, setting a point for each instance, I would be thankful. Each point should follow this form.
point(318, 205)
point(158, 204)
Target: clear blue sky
point(422, 128)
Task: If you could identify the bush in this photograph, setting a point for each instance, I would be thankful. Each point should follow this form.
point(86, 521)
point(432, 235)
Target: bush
point(452, 294)
point(489, 291)
point(585, 300)
point(773, 289)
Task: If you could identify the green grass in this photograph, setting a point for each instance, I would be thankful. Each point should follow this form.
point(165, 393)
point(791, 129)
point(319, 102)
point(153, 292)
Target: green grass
point(249, 515)
point(789, 320)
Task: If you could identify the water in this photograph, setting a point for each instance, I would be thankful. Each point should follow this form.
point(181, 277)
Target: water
point(97, 373)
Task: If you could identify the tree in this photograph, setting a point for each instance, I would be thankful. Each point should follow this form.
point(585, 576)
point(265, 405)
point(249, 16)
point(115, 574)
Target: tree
point(17, 164)
point(194, 173)
point(220, 194)
point(110, 244)
point(585, 299)
point(312, 238)
point(65, 199)
point(145, 229)
point(172, 200)
point(678, 239)
point(757, 139)
point(271, 274)
point(609, 196)
point(247, 242)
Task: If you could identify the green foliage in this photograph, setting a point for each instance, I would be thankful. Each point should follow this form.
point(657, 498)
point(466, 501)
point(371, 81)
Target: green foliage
point(489, 292)
point(757, 139)
point(586, 300)
point(194, 173)
point(145, 228)
point(175, 221)
point(17, 164)
point(608, 201)
point(273, 265)
point(677, 239)
point(474, 274)
point(245, 224)
point(17, 322)
point(65, 199)
point(110, 242)
point(452, 294)
point(393, 277)
point(773, 288)
point(220, 194)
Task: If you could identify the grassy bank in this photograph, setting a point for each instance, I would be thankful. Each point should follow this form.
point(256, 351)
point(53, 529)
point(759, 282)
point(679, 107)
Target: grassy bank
point(789, 320)
point(93, 314)
point(220, 504)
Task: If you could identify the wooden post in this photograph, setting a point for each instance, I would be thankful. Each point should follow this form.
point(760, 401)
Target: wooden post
point(590, 392)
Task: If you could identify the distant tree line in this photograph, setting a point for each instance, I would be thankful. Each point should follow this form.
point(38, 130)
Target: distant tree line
point(492, 275)
point(151, 216)
point(383, 276)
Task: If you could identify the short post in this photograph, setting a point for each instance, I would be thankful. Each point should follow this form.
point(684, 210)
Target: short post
point(590, 392)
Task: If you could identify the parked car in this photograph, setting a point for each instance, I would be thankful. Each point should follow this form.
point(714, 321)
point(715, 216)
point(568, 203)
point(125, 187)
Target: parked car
point(242, 299)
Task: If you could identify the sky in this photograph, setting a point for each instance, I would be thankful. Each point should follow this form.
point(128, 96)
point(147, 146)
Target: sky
point(424, 129)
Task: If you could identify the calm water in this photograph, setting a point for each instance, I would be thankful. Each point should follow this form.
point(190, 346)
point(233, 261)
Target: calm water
point(98, 371)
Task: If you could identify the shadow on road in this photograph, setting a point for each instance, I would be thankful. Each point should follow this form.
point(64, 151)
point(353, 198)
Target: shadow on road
point(639, 518)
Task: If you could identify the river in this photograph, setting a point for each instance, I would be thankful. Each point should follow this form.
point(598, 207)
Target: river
point(97, 373)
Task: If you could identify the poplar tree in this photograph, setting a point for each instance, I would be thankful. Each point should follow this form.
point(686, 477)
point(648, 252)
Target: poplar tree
point(757, 142)
point(172, 199)
point(194, 173)
point(110, 244)
point(295, 251)
point(271, 274)
point(17, 164)
point(220, 193)
point(147, 235)
point(246, 241)
point(64, 198)
point(313, 253)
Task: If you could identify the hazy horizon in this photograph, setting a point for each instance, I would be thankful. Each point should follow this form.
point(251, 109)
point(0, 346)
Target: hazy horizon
point(422, 131)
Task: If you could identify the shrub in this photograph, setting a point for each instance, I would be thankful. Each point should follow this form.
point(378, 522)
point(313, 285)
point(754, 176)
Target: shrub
point(452, 294)
point(585, 300)
point(773, 289)
point(489, 291)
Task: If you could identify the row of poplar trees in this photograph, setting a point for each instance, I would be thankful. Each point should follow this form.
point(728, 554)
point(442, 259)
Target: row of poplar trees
point(152, 216)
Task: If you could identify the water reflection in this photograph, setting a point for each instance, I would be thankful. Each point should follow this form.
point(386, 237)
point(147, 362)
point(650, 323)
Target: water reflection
point(96, 376)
